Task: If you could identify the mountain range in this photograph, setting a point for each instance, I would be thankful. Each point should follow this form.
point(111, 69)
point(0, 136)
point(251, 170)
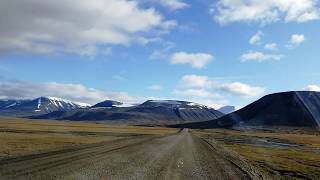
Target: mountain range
point(41, 105)
point(150, 112)
point(294, 108)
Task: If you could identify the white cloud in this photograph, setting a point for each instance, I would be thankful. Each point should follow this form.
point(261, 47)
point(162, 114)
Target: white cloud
point(271, 46)
point(195, 81)
point(241, 89)
point(145, 40)
point(173, 4)
point(295, 40)
point(74, 92)
point(312, 88)
point(259, 56)
point(194, 93)
point(265, 11)
point(201, 96)
point(256, 38)
point(234, 88)
point(155, 87)
point(67, 26)
point(213, 103)
point(216, 104)
point(196, 60)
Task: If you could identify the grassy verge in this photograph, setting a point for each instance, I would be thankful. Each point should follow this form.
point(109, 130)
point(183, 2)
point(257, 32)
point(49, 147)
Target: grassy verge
point(281, 154)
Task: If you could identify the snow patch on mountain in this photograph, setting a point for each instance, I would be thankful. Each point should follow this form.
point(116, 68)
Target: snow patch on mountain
point(62, 103)
point(198, 105)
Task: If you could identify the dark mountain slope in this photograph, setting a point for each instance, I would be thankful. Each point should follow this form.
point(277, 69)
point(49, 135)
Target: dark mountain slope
point(107, 103)
point(295, 108)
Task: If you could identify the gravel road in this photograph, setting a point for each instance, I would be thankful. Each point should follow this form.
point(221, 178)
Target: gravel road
point(179, 156)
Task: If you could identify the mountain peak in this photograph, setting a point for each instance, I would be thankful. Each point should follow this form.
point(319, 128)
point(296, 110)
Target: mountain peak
point(107, 103)
point(58, 100)
point(227, 109)
point(40, 105)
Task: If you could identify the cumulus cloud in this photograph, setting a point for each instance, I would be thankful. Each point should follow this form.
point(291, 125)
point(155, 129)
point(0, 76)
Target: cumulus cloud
point(199, 92)
point(196, 60)
point(195, 93)
point(256, 38)
point(195, 81)
point(241, 89)
point(271, 46)
point(74, 92)
point(202, 96)
point(155, 87)
point(173, 4)
point(205, 83)
point(295, 40)
point(259, 56)
point(216, 104)
point(67, 26)
point(266, 11)
point(312, 88)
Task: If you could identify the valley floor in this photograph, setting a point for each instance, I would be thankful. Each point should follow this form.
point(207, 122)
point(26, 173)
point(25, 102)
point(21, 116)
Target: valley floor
point(70, 150)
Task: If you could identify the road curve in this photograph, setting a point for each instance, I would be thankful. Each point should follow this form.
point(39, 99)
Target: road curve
point(178, 156)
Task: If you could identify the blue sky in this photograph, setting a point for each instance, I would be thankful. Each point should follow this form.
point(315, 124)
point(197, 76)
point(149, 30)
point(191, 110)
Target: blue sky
point(215, 52)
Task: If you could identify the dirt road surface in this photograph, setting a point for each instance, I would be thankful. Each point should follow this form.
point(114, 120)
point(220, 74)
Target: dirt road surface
point(179, 156)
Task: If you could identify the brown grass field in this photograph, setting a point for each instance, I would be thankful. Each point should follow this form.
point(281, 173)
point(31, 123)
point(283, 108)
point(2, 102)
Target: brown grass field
point(283, 154)
point(22, 137)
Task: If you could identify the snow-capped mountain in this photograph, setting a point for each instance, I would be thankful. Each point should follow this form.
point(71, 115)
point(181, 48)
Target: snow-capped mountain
point(173, 104)
point(183, 110)
point(41, 105)
point(50, 104)
point(149, 112)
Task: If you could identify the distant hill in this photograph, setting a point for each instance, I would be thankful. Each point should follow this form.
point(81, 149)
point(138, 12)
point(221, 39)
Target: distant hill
point(107, 103)
point(227, 109)
point(41, 105)
point(151, 112)
point(294, 108)
point(9, 103)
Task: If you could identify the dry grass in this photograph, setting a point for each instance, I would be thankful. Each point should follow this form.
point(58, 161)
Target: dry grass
point(311, 139)
point(22, 137)
point(285, 162)
point(301, 160)
point(17, 144)
point(64, 126)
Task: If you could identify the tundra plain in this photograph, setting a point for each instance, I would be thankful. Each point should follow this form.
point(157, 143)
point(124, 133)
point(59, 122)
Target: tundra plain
point(42, 149)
